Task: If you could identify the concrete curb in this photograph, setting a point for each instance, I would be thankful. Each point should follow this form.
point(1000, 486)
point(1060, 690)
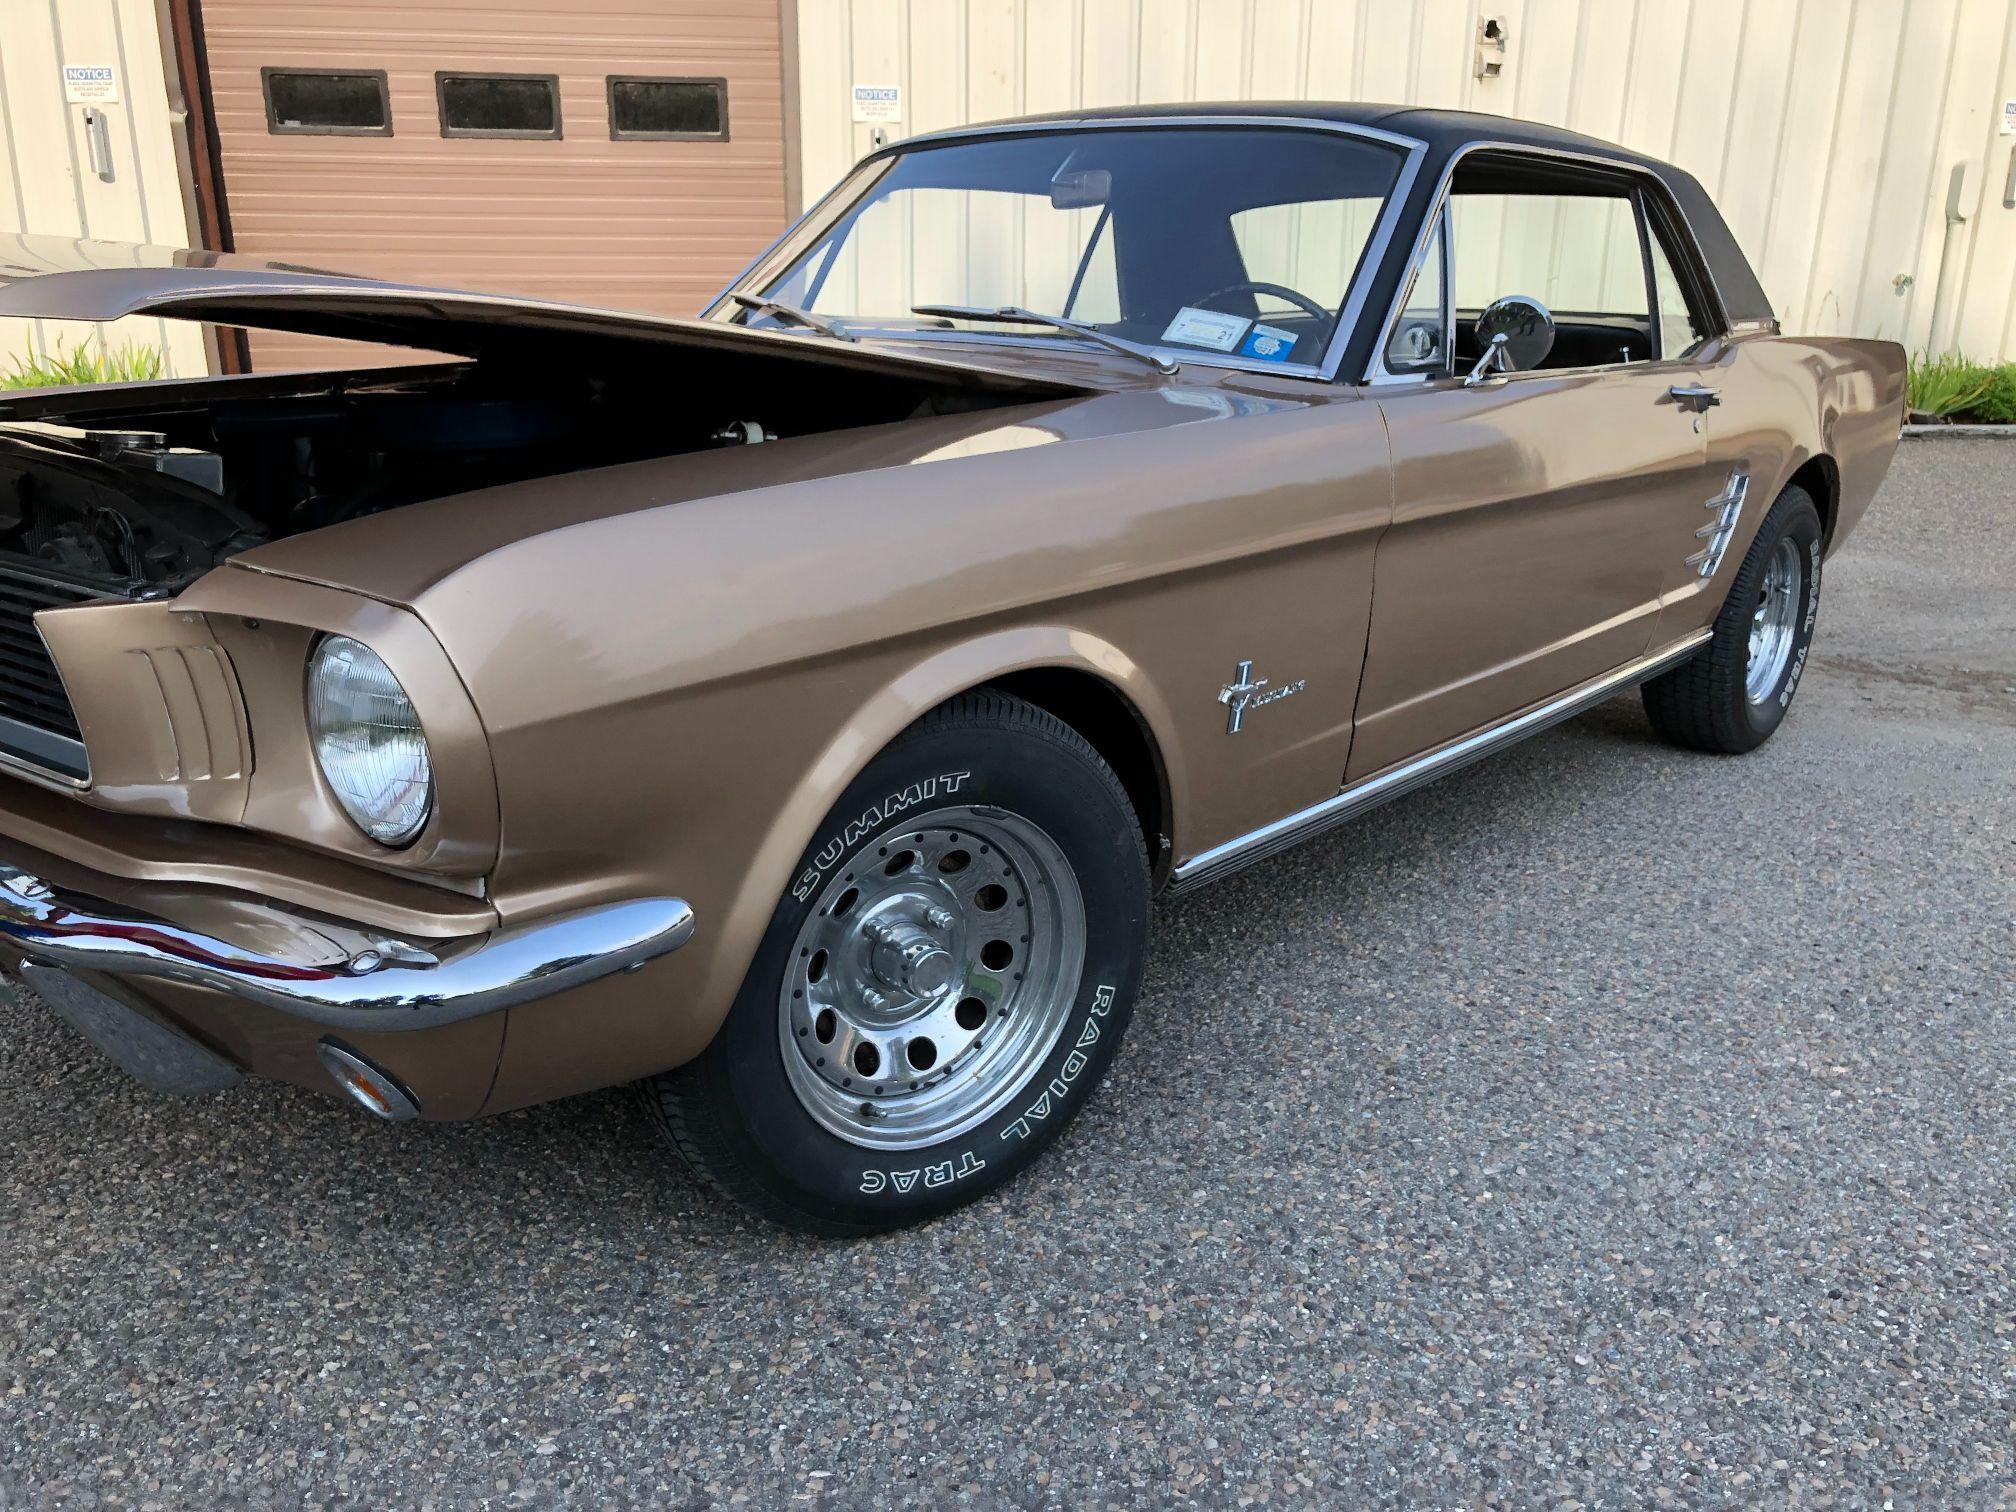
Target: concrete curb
point(2005, 432)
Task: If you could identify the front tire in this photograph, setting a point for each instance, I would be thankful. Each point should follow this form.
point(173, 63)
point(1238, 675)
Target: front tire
point(939, 990)
point(1732, 693)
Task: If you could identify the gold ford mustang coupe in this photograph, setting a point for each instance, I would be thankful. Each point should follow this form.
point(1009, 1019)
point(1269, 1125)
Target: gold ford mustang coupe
point(795, 710)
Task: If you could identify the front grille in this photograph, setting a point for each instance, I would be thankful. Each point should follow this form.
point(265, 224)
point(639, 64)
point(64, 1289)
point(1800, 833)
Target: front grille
point(30, 689)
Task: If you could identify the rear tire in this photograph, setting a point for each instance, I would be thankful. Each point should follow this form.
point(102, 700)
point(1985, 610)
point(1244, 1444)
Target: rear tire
point(1732, 693)
point(941, 987)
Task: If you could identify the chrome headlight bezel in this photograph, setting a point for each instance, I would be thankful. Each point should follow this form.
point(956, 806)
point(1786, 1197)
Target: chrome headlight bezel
point(368, 740)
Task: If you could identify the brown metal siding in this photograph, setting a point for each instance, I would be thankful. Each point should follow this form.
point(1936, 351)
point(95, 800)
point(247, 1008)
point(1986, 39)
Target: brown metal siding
point(650, 225)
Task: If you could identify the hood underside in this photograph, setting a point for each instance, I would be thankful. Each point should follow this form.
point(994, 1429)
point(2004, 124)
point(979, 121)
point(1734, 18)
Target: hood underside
point(56, 278)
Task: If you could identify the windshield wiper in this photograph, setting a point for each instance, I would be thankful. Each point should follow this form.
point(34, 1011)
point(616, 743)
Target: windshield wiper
point(1016, 315)
point(755, 304)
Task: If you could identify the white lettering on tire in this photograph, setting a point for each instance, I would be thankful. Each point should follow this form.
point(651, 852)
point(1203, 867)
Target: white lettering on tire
point(870, 819)
point(940, 1173)
point(1812, 614)
point(944, 1173)
point(1074, 1065)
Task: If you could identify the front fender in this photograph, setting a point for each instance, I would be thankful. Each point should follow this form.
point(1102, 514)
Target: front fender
point(740, 850)
point(884, 715)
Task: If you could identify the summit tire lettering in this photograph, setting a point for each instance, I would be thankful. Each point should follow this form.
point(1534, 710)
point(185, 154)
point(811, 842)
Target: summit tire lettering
point(871, 819)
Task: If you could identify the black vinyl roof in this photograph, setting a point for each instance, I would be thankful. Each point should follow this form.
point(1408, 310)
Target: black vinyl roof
point(1442, 130)
point(1447, 132)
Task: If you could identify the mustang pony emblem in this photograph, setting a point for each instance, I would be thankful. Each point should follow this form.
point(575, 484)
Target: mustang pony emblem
point(1243, 693)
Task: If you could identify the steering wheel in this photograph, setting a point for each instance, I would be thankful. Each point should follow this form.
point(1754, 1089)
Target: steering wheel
point(1280, 291)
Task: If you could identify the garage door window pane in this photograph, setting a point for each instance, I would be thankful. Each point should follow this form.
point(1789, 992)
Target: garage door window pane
point(330, 104)
point(668, 108)
point(517, 105)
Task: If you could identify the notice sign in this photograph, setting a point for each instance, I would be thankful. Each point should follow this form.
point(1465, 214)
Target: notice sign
point(878, 102)
point(2009, 118)
point(90, 84)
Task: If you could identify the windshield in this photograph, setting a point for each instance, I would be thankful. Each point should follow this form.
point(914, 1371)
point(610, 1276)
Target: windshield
point(1228, 243)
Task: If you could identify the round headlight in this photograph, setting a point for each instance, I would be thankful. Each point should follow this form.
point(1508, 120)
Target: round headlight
point(368, 740)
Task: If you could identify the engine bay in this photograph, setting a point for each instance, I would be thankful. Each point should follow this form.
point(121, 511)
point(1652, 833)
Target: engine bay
point(137, 499)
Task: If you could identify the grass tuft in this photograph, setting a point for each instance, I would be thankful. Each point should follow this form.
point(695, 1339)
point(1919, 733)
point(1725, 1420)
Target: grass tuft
point(1997, 405)
point(1946, 384)
point(87, 364)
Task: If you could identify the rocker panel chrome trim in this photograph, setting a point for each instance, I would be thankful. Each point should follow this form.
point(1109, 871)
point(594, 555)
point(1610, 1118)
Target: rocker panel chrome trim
point(1272, 839)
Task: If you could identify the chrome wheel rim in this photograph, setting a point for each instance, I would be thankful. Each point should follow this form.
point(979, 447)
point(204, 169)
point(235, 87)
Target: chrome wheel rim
point(1774, 621)
point(932, 978)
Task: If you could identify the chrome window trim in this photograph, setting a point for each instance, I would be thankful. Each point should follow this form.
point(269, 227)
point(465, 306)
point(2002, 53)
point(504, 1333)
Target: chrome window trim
point(1375, 371)
point(721, 296)
point(1103, 123)
point(1642, 216)
point(1368, 793)
point(1380, 373)
point(1378, 244)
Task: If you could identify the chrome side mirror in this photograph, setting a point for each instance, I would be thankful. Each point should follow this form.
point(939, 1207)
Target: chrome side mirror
point(1517, 332)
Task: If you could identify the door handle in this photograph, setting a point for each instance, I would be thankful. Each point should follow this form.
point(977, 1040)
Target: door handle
point(1695, 396)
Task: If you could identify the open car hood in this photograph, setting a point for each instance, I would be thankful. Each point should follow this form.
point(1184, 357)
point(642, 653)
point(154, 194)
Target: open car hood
point(57, 278)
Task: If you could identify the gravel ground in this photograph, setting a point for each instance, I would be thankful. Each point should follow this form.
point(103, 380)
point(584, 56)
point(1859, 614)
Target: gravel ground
point(1604, 1124)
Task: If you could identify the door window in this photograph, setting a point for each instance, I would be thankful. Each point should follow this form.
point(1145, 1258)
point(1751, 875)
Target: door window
point(1576, 242)
point(1571, 241)
point(1419, 342)
point(1577, 254)
point(1680, 329)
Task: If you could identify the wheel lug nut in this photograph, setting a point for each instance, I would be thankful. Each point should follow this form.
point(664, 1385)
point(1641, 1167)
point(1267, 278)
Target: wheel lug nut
point(938, 918)
point(873, 999)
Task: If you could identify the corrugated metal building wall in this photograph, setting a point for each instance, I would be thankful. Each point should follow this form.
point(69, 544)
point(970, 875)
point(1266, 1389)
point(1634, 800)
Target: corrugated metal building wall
point(48, 181)
point(1828, 130)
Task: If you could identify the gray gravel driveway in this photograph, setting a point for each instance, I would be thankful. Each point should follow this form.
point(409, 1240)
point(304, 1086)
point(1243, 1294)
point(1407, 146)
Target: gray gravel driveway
point(1605, 1124)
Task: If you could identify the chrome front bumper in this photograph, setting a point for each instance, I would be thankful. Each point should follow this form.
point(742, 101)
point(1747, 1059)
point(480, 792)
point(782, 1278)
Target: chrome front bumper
point(390, 985)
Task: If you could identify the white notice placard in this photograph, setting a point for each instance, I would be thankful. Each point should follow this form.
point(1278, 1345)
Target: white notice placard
point(90, 83)
point(880, 103)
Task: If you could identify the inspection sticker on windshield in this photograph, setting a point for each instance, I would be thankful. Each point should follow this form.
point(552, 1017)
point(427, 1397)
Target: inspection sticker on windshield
point(1206, 328)
point(1268, 343)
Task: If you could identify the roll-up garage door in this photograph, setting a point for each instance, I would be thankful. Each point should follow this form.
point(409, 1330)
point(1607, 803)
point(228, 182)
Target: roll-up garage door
point(627, 153)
